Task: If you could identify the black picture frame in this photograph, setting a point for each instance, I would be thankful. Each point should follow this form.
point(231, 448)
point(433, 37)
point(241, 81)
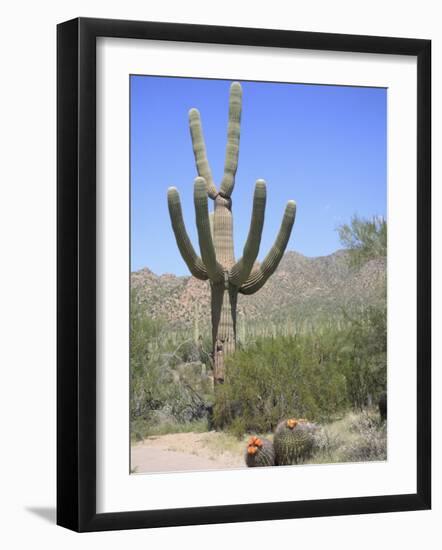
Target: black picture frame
point(76, 274)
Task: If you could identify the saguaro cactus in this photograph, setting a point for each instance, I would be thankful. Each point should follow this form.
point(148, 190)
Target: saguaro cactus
point(215, 234)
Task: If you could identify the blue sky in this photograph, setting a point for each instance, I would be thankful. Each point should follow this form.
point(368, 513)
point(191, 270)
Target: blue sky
point(323, 146)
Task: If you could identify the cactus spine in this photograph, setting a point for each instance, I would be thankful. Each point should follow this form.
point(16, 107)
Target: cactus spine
point(294, 441)
point(259, 452)
point(215, 234)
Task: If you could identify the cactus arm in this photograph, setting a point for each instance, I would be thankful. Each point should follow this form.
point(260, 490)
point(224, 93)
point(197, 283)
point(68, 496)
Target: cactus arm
point(199, 150)
point(233, 134)
point(211, 222)
point(214, 270)
point(241, 270)
point(193, 262)
point(259, 276)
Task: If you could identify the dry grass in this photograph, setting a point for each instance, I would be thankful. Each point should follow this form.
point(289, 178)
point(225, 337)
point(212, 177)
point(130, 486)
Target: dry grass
point(223, 442)
point(141, 429)
point(357, 437)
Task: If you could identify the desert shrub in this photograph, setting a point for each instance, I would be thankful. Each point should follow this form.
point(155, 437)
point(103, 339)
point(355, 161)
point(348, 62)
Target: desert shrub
point(317, 374)
point(364, 356)
point(146, 378)
point(326, 445)
point(276, 378)
point(357, 437)
point(141, 429)
point(237, 427)
point(370, 441)
point(365, 239)
point(170, 385)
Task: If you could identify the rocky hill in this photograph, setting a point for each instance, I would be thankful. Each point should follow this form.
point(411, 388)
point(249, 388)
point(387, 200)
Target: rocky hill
point(301, 288)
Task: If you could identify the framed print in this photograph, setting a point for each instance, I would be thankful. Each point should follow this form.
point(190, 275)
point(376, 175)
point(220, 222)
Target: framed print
point(243, 274)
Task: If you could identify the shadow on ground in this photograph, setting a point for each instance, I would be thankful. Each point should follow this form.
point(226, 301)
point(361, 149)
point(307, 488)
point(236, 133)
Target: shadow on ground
point(46, 513)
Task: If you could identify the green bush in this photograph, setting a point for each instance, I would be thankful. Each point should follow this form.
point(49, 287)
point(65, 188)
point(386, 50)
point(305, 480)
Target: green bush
point(272, 380)
point(364, 357)
point(170, 386)
point(316, 375)
point(365, 239)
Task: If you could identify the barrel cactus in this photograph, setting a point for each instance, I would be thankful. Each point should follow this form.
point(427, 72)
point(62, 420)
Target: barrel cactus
point(259, 452)
point(294, 441)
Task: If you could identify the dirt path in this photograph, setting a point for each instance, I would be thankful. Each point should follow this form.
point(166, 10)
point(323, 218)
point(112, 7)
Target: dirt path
point(186, 452)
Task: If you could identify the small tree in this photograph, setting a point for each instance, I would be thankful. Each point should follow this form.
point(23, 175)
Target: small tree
point(365, 239)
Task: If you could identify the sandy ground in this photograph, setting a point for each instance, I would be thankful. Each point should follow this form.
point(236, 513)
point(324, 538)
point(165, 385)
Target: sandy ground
point(184, 452)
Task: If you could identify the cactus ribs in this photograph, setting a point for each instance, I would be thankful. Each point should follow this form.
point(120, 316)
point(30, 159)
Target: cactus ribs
point(215, 234)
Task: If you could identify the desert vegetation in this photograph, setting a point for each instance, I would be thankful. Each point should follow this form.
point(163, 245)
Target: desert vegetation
point(329, 369)
point(285, 368)
point(319, 374)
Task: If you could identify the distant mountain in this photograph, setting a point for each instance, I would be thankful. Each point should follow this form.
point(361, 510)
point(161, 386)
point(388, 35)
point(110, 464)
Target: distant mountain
point(301, 288)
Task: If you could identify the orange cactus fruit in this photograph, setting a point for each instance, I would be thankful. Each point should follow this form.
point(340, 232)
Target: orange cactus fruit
point(252, 449)
point(258, 442)
point(291, 423)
